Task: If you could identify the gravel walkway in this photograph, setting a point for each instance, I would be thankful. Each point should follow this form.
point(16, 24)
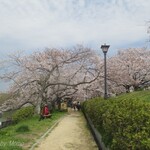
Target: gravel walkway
point(71, 133)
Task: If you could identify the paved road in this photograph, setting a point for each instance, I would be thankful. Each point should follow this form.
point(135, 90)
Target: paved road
point(71, 133)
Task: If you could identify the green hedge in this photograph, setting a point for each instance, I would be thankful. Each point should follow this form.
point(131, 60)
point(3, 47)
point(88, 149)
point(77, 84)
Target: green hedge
point(124, 124)
point(23, 113)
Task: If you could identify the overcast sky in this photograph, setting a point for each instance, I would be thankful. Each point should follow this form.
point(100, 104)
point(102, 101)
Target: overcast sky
point(33, 25)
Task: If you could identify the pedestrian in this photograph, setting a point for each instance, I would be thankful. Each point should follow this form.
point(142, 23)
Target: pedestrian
point(69, 105)
point(74, 105)
point(78, 106)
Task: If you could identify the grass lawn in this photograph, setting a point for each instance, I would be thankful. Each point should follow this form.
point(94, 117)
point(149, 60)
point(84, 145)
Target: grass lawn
point(143, 95)
point(30, 130)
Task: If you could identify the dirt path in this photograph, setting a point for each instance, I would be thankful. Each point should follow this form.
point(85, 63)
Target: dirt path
point(71, 133)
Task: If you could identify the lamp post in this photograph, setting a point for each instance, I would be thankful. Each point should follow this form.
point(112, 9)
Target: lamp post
point(105, 49)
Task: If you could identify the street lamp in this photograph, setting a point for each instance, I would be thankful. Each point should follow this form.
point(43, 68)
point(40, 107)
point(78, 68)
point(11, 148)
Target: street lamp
point(105, 49)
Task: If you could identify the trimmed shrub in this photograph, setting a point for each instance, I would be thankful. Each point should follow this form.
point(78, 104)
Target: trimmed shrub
point(23, 113)
point(22, 128)
point(124, 124)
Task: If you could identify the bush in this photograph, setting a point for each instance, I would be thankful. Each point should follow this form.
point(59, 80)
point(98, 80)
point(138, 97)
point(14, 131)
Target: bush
point(22, 128)
point(2, 133)
point(124, 124)
point(23, 113)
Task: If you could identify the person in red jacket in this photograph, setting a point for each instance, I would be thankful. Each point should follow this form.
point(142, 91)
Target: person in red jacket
point(44, 112)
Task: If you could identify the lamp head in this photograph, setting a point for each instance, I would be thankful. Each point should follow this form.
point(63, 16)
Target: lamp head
point(105, 48)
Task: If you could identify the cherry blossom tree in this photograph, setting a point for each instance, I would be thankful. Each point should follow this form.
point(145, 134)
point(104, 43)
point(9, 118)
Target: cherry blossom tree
point(51, 74)
point(130, 68)
point(79, 72)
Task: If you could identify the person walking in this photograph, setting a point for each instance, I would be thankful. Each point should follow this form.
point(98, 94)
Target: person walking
point(69, 105)
point(78, 106)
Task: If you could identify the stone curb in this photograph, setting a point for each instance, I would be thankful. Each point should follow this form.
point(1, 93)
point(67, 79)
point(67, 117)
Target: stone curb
point(97, 136)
